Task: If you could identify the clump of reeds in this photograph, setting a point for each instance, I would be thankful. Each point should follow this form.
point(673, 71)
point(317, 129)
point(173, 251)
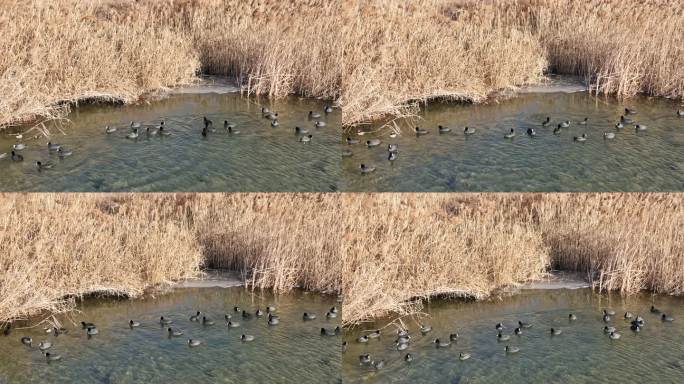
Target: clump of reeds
point(56, 53)
point(58, 247)
point(401, 52)
point(404, 248)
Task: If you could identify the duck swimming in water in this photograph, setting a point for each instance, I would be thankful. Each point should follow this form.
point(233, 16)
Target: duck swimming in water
point(207, 123)
point(666, 318)
point(443, 129)
point(468, 131)
point(463, 356)
point(366, 168)
point(510, 134)
point(499, 327)
point(608, 329)
point(44, 165)
point(640, 127)
point(274, 123)
point(314, 115)
point(441, 344)
point(606, 316)
point(246, 315)
point(523, 324)
point(373, 143)
point(402, 346)
point(273, 320)
point(109, 129)
point(584, 122)
point(193, 343)
point(328, 109)
point(510, 350)
point(608, 135)
point(680, 113)
point(546, 122)
point(572, 317)
point(557, 130)
point(619, 125)
point(133, 135)
point(246, 338)
point(233, 324)
point(654, 309)
point(308, 316)
point(501, 337)
point(630, 111)
point(362, 339)
point(555, 331)
point(392, 156)
point(64, 152)
point(53, 147)
point(531, 132)
point(425, 328)
point(165, 321)
point(581, 139)
point(17, 157)
point(392, 147)
point(517, 331)
point(421, 131)
point(614, 335)
point(628, 315)
point(92, 331)
point(320, 124)
point(625, 120)
point(26, 340)
point(305, 139)
point(196, 316)
point(44, 345)
point(351, 141)
point(408, 358)
point(365, 359)
point(52, 357)
point(330, 315)
point(302, 131)
point(207, 321)
point(565, 124)
point(133, 324)
point(174, 332)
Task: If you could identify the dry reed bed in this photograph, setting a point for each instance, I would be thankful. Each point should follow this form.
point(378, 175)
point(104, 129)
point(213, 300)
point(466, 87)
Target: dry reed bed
point(60, 52)
point(401, 52)
point(401, 249)
point(57, 247)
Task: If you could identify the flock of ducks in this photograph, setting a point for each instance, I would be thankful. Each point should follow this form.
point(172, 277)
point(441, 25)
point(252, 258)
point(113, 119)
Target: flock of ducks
point(228, 127)
point(52, 149)
point(137, 130)
point(393, 149)
point(231, 320)
point(402, 342)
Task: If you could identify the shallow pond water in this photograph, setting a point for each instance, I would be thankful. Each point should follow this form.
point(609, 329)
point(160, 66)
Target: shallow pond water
point(651, 160)
point(291, 352)
point(259, 158)
point(582, 353)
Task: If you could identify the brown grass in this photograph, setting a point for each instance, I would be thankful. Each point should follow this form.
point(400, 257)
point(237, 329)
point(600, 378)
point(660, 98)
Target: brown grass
point(401, 249)
point(402, 52)
point(383, 251)
point(57, 247)
point(56, 53)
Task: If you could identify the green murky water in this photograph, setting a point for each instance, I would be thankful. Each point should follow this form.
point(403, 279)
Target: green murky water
point(292, 352)
point(582, 353)
point(651, 160)
point(259, 158)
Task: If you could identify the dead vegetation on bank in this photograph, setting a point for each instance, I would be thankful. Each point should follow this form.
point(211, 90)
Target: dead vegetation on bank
point(400, 52)
point(57, 247)
point(401, 249)
point(56, 53)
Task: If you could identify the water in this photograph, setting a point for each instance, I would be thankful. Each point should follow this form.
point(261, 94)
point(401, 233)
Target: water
point(581, 354)
point(291, 352)
point(646, 161)
point(260, 158)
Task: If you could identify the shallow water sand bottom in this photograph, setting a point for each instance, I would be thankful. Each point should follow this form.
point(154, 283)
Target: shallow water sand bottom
point(652, 160)
point(291, 352)
point(582, 353)
point(259, 158)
